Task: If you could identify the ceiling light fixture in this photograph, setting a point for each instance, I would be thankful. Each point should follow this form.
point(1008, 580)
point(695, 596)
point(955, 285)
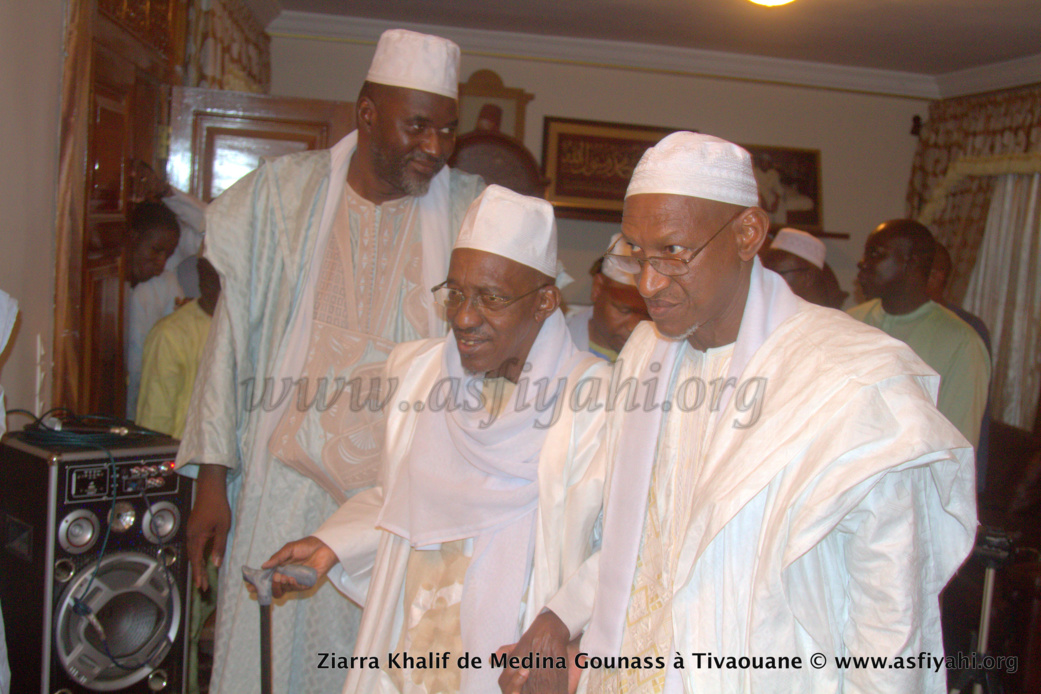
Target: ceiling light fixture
point(771, 3)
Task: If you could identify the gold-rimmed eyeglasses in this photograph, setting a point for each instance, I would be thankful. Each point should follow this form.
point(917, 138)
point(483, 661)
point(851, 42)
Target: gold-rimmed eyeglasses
point(670, 266)
point(452, 299)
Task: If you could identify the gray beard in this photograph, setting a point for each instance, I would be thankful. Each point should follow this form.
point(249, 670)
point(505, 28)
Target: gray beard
point(415, 187)
point(398, 175)
point(685, 334)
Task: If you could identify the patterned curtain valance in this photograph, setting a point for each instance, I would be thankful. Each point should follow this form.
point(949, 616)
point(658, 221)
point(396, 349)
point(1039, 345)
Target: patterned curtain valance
point(984, 126)
point(227, 48)
point(965, 144)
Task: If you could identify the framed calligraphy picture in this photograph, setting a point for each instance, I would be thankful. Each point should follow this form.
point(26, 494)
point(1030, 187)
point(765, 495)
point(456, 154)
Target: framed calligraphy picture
point(589, 164)
point(789, 182)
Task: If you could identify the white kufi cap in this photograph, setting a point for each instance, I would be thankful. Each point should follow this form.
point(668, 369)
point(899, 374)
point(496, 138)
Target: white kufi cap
point(698, 166)
point(618, 246)
point(416, 61)
point(514, 226)
point(800, 243)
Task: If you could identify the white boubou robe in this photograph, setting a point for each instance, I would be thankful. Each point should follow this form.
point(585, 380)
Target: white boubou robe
point(864, 494)
point(564, 493)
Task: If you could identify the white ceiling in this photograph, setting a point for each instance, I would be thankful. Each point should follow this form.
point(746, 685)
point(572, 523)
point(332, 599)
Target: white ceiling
point(922, 36)
point(932, 39)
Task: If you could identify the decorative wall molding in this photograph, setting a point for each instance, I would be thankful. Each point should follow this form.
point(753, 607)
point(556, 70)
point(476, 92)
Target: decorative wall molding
point(685, 61)
point(988, 78)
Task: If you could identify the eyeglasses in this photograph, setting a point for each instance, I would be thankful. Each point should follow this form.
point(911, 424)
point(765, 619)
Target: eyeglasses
point(453, 299)
point(671, 267)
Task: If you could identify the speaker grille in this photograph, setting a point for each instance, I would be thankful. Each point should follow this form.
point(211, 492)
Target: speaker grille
point(138, 606)
point(130, 620)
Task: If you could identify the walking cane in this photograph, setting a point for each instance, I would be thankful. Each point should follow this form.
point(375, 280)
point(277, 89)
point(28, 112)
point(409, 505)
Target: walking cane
point(261, 580)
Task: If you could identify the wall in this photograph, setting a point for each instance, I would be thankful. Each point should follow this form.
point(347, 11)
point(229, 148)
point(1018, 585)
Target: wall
point(866, 149)
point(30, 91)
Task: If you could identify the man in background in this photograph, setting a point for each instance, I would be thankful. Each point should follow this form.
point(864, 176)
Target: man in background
point(939, 277)
point(326, 261)
point(799, 257)
point(157, 288)
point(171, 358)
point(617, 308)
point(153, 291)
point(894, 277)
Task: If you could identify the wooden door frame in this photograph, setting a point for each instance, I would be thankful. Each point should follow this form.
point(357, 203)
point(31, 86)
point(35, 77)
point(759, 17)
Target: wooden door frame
point(67, 386)
point(86, 24)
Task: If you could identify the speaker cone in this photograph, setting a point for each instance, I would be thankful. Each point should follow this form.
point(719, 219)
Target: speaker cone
point(115, 626)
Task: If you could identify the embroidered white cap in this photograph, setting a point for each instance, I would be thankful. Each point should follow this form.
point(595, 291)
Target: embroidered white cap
point(801, 243)
point(618, 246)
point(416, 61)
point(698, 166)
point(514, 226)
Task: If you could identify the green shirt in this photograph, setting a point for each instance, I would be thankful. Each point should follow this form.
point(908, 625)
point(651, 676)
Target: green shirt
point(951, 347)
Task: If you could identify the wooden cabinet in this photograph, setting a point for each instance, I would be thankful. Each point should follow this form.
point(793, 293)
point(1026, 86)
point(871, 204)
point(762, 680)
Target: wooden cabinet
point(120, 55)
point(122, 66)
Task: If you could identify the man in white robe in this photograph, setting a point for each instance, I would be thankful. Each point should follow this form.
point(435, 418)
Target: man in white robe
point(792, 492)
point(155, 294)
point(486, 505)
point(152, 289)
point(326, 259)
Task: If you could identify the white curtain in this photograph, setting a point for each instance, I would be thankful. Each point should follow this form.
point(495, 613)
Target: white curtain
point(1005, 291)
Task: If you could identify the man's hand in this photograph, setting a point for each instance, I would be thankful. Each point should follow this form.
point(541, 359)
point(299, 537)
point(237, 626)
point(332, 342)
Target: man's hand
point(209, 520)
point(309, 551)
point(547, 636)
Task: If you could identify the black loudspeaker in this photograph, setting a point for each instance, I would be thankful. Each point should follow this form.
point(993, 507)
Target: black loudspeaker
point(94, 567)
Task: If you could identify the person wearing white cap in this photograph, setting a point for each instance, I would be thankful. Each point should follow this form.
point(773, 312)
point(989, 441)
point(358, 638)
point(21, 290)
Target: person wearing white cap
point(798, 257)
point(617, 308)
point(325, 258)
point(487, 500)
point(791, 497)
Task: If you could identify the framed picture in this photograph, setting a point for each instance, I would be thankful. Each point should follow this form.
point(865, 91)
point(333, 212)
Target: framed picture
point(486, 104)
point(789, 185)
point(589, 164)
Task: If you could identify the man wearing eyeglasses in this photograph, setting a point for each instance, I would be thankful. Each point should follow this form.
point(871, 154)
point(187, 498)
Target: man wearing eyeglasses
point(798, 257)
point(489, 490)
point(751, 554)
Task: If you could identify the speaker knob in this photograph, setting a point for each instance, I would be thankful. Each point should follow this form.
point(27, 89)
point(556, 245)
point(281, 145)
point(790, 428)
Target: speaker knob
point(64, 570)
point(168, 555)
point(157, 681)
point(78, 531)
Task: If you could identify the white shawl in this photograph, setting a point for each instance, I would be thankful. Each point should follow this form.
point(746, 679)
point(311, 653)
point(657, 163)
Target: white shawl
point(469, 479)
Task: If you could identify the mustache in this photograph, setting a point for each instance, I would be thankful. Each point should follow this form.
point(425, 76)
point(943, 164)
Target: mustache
point(427, 159)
